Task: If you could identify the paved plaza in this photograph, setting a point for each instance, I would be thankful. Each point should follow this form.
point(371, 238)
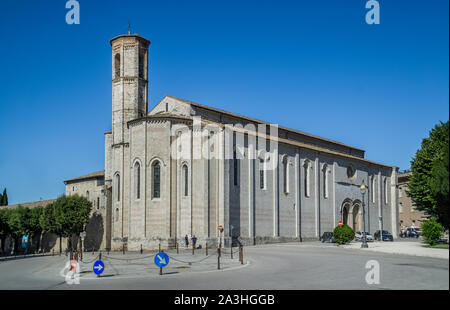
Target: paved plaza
point(308, 265)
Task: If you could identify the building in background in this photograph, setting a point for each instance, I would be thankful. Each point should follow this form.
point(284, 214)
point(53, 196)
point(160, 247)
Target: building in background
point(408, 215)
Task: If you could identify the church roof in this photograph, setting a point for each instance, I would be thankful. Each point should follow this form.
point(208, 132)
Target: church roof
point(260, 122)
point(93, 175)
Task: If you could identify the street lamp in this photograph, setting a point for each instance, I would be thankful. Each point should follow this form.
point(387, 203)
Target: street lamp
point(363, 191)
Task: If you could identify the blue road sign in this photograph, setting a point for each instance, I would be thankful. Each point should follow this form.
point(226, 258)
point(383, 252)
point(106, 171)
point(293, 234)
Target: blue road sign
point(161, 259)
point(99, 267)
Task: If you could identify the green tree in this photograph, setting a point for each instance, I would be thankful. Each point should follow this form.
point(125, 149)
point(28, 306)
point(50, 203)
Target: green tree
point(428, 185)
point(35, 225)
point(19, 224)
point(432, 231)
point(47, 220)
point(72, 214)
point(4, 198)
point(4, 227)
point(343, 234)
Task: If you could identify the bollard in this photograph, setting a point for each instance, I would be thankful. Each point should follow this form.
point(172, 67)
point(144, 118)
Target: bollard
point(160, 271)
point(242, 255)
point(99, 258)
point(141, 248)
point(193, 248)
point(159, 247)
point(123, 249)
point(231, 249)
point(218, 258)
point(177, 249)
point(206, 248)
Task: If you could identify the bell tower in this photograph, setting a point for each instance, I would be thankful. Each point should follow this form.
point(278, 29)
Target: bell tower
point(129, 82)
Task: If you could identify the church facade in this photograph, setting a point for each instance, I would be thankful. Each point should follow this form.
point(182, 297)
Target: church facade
point(188, 169)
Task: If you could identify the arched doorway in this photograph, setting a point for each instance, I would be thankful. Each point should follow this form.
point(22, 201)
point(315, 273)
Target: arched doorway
point(356, 212)
point(345, 210)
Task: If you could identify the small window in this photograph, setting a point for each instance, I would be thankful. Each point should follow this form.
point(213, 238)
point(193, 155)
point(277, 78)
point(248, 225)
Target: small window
point(351, 171)
point(87, 194)
point(186, 180)
point(306, 178)
point(141, 64)
point(118, 187)
point(98, 203)
point(137, 180)
point(156, 180)
point(262, 174)
point(325, 181)
point(400, 194)
point(400, 208)
point(117, 66)
point(116, 218)
point(285, 175)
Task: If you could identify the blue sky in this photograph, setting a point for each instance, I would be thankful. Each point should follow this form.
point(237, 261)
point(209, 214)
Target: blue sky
point(315, 66)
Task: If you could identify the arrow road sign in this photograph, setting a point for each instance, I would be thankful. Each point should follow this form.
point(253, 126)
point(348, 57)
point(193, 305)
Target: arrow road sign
point(99, 267)
point(161, 259)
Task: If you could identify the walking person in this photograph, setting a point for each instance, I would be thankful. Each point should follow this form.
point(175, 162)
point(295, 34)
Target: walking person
point(194, 241)
point(186, 241)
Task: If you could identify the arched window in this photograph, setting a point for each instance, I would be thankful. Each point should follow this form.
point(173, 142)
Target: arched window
point(137, 180)
point(118, 186)
point(117, 66)
point(116, 218)
point(306, 177)
point(325, 180)
point(186, 180)
point(285, 175)
point(156, 192)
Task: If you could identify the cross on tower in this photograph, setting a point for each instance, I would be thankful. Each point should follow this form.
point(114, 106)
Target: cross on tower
point(129, 28)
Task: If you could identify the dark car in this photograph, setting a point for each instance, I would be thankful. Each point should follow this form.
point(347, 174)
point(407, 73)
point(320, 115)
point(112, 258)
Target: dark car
point(327, 237)
point(386, 236)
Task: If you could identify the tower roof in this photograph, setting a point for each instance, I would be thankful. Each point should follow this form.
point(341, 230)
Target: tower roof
point(131, 36)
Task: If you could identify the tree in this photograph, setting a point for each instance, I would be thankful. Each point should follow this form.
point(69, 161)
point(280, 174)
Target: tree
point(19, 223)
point(432, 231)
point(35, 225)
point(428, 185)
point(4, 198)
point(4, 227)
point(343, 234)
point(72, 214)
point(48, 223)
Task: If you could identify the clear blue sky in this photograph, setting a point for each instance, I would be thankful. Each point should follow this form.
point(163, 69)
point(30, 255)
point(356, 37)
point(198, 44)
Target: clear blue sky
point(315, 66)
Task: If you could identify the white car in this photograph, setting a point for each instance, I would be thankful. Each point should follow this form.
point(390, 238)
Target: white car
point(359, 236)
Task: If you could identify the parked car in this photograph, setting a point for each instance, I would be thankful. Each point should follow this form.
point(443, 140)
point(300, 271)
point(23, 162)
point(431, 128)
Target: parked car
point(327, 237)
point(444, 237)
point(412, 232)
point(386, 236)
point(359, 236)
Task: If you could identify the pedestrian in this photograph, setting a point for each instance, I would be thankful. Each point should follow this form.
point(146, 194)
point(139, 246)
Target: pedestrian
point(407, 233)
point(194, 241)
point(186, 241)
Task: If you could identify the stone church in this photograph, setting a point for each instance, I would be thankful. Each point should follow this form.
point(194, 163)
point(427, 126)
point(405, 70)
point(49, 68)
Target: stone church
point(184, 168)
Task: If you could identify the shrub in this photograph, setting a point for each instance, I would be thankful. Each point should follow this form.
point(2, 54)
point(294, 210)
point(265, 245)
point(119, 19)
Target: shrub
point(343, 234)
point(432, 231)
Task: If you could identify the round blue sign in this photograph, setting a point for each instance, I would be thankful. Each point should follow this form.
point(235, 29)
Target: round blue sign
point(99, 267)
point(161, 259)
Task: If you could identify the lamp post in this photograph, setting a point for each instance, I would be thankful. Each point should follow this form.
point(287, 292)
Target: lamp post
point(363, 191)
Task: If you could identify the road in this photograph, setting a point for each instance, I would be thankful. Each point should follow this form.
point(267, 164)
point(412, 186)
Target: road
point(309, 265)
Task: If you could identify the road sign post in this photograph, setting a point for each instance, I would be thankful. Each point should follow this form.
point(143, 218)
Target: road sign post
point(161, 260)
point(99, 267)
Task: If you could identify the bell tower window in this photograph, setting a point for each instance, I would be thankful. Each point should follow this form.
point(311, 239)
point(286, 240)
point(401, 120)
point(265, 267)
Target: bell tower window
point(117, 66)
